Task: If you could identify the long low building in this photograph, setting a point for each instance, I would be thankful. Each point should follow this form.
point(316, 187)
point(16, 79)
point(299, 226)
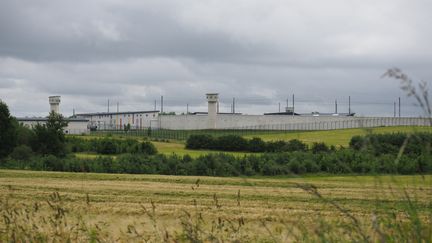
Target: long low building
point(75, 125)
point(118, 120)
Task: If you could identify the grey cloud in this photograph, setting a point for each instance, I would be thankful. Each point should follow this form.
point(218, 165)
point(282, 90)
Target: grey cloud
point(135, 51)
point(7, 83)
point(81, 33)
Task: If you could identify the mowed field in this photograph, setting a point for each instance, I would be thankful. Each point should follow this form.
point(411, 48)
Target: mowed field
point(256, 209)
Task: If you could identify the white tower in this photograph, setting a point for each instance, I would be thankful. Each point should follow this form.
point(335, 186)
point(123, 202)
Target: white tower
point(212, 99)
point(54, 103)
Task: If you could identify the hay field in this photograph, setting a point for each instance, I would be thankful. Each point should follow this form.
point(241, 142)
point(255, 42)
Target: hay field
point(258, 209)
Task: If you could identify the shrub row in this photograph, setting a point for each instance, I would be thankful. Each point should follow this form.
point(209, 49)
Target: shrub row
point(392, 143)
point(110, 146)
point(238, 143)
point(270, 164)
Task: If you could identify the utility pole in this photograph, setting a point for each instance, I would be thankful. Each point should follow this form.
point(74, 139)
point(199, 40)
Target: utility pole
point(394, 109)
point(336, 106)
point(279, 107)
point(154, 105)
point(233, 105)
point(187, 109)
point(162, 104)
point(349, 105)
point(117, 118)
point(287, 104)
point(293, 105)
point(399, 107)
point(108, 105)
point(217, 112)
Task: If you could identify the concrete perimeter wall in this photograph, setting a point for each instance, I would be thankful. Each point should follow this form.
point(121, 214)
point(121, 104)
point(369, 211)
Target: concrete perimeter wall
point(75, 127)
point(283, 122)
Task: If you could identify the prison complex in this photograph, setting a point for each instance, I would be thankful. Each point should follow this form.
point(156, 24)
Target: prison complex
point(212, 119)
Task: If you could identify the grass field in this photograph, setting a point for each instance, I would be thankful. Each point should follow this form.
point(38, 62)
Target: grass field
point(170, 148)
point(334, 137)
point(179, 149)
point(337, 137)
point(152, 207)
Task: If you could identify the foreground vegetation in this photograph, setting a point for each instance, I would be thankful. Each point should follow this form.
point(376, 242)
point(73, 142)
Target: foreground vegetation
point(53, 206)
point(372, 154)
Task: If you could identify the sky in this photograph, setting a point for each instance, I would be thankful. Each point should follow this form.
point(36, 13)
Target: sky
point(258, 52)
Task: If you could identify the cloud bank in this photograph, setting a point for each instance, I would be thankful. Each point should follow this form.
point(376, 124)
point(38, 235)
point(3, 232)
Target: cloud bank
point(132, 52)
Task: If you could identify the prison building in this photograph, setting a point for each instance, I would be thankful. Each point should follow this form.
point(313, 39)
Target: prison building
point(119, 120)
point(75, 125)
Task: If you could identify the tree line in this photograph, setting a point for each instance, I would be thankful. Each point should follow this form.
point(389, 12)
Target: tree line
point(343, 161)
point(376, 144)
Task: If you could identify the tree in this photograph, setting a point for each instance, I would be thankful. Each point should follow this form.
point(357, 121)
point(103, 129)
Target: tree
point(49, 137)
point(148, 148)
point(256, 145)
point(8, 133)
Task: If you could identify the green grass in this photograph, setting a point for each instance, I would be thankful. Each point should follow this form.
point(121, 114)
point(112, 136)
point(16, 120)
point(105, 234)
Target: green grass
point(179, 149)
point(170, 148)
point(339, 137)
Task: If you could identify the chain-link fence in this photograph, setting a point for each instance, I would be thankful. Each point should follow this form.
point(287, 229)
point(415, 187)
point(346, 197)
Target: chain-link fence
point(269, 128)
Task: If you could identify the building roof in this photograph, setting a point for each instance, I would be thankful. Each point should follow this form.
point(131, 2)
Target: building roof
point(219, 113)
point(22, 119)
point(282, 113)
point(310, 114)
point(114, 113)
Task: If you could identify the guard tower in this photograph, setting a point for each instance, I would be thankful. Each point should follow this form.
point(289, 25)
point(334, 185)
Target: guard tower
point(212, 99)
point(54, 104)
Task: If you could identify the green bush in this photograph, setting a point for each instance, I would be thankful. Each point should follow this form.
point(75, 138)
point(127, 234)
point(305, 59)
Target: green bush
point(22, 153)
point(107, 146)
point(413, 144)
point(319, 148)
point(148, 148)
point(256, 145)
point(275, 146)
point(295, 145)
point(200, 142)
point(230, 143)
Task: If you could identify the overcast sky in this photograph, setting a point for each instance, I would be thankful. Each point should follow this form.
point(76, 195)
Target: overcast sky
point(260, 52)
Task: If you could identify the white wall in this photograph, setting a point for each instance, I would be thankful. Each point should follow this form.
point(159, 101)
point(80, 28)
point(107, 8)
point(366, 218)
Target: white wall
point(283, 122)
point(117, 121)
point(74, 127)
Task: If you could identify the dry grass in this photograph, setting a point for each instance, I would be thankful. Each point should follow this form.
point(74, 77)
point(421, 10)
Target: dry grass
point(118, 201)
